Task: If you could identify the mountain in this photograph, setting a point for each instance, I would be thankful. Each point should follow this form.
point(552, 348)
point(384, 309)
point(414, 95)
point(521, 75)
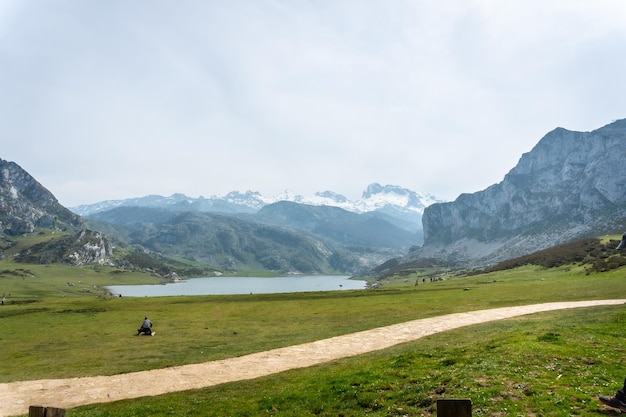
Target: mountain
point(26, 207)
point(570, 185)
point(234, 202)
point(343, 227)
point(403, 205)
point(242, 241)
point(25, 204)
point(292, 235)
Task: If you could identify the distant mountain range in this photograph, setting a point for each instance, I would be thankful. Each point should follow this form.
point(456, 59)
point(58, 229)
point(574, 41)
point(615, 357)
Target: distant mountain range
point(402, 204)
point(287, 233)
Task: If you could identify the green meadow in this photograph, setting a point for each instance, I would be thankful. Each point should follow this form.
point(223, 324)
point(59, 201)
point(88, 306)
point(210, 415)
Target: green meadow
point(548, 364)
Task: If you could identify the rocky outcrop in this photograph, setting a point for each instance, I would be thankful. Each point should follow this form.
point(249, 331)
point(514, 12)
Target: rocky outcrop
point(90, 247)
point(25, 204)
point(570, 185)
point(82, 248)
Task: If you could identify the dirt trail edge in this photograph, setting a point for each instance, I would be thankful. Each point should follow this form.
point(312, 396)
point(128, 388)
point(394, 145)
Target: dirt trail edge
point(16, 397)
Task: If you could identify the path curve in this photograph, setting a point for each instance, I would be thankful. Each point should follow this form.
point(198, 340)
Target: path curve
point(16, 397)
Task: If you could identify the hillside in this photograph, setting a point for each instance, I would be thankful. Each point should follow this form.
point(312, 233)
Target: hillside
point(594, 254)
point(570, 185)
point(372, 229)
point(250, 242)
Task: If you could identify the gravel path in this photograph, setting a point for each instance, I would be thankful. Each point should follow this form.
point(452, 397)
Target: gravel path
point(16, 397)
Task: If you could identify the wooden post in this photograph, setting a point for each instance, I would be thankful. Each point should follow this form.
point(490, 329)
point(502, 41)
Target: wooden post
point(55, 412)
point(38, 411)
point(454, 408)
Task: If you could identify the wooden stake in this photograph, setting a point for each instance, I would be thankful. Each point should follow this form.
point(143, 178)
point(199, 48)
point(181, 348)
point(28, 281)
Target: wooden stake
point(38, 411)
point(454, 408)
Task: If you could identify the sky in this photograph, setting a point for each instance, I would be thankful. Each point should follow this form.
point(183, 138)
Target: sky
point(104, 100)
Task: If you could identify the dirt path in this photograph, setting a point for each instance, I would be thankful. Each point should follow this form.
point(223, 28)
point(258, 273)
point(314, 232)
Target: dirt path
point(16, 397)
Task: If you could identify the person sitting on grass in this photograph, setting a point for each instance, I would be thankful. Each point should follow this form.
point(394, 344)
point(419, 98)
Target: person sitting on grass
point(146, 327)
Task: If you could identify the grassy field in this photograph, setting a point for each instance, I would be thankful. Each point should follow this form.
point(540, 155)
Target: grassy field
point(545, 364)
point(550, 364)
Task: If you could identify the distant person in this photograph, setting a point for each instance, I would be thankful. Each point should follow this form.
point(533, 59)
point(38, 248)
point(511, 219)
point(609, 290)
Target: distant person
point(619, 400)
point(146, 327)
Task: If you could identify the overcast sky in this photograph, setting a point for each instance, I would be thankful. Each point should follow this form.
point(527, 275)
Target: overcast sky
point(115, 99)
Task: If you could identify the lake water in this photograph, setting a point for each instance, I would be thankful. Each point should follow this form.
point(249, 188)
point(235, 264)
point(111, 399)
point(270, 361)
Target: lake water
point(241, 285)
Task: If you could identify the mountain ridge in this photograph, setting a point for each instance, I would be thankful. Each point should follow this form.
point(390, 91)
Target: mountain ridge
point(25, 204)
point(570, 185)
point(403, 207)
point(375, 197)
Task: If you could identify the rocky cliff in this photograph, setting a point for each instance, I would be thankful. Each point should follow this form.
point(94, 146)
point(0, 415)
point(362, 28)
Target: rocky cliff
point(570, 185)
point(26, 207)
point(25, 204)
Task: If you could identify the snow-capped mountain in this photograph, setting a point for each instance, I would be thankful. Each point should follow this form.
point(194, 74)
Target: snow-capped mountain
point(375, 197)
point(389, 199)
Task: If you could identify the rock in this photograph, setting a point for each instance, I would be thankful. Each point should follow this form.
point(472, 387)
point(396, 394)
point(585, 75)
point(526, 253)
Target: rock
point(25, 204)
point(570, 185)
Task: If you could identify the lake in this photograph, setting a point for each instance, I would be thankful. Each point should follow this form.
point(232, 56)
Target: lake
point(241, 285)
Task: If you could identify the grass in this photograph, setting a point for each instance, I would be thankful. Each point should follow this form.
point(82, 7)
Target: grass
point(546, 364)
point(549, 364)
point(28, 281)
point(12, 245)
